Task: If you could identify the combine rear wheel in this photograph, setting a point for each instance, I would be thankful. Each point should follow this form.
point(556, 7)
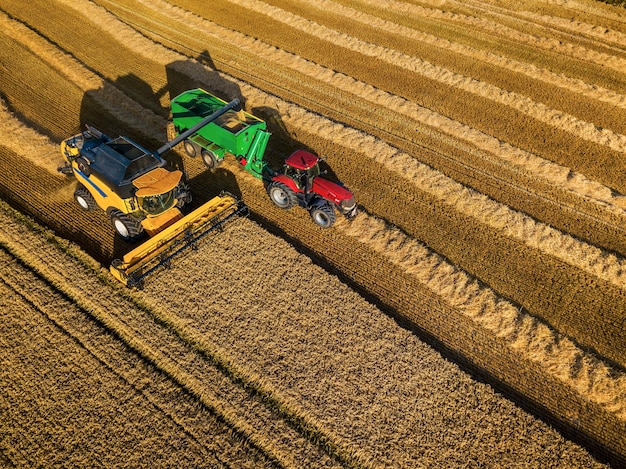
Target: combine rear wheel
point(323, 215)
point(282, 196)
point(125, 225)
point(84, 199)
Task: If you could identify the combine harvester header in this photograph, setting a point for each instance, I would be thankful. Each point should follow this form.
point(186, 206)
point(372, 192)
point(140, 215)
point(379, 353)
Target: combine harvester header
point(141, 195)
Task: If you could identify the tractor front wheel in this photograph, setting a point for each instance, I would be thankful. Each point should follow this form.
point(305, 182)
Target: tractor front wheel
point(84, 199)
point(323, 215)
point(282, 196)
point(125, 225)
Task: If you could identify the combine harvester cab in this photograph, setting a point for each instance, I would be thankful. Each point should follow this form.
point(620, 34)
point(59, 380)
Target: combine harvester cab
point(141, 195)
point(245, 136)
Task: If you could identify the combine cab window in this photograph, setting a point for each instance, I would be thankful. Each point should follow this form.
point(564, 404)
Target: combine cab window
point(157, 204)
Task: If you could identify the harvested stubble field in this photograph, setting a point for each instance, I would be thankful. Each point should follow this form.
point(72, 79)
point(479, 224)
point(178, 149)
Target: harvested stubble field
point(485, 143)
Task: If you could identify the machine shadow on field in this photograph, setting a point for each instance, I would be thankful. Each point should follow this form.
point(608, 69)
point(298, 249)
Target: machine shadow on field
point(180, 76)
point(183, 75)
point(202, 72)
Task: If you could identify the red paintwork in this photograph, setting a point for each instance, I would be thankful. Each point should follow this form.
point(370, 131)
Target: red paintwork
point(288, 182)
point(330, 190)
point(322, 187)
point(301, 159)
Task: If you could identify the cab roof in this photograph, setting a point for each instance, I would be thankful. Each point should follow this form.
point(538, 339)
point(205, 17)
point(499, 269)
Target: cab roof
point(301, 159)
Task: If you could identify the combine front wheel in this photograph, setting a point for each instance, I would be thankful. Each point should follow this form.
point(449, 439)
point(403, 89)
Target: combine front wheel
point(125, 225)
point(282, 196)
point(84, 199)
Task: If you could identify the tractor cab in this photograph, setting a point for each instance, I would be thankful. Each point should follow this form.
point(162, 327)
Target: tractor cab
point(302, 167)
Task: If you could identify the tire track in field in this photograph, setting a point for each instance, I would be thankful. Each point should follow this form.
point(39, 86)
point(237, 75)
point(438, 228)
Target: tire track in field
point(431, 178)
point(108, 97)
point(537, 73)
point(535, 235)
point(600, 35)
point(500, 30)
point(146, 381)
point(462, 199)
point(608, 12)
point(537, 342)
point(524, 105)
point(40, 150)
point(508, 155)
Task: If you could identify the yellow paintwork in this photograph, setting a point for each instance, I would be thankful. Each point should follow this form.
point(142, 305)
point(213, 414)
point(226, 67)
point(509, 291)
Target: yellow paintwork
point(153, 225)
point(150, 250)
point(156, 182)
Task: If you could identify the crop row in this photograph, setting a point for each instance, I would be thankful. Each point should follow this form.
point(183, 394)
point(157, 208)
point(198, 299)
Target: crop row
point(238, 338)
point(307, 127)
point(75, 395)
point(199, 372)
point(551, 193)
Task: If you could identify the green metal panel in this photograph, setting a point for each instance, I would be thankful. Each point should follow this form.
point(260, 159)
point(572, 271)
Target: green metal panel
point(245, 138)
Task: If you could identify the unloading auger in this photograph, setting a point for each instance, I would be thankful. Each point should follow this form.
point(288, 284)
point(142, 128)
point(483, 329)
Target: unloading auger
point(141, 195)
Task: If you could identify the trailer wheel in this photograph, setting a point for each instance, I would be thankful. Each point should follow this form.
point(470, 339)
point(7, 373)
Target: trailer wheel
point(84, 199)
point(125, 225)
point(323, 215)
point(210, 159)
point(190, 148)
point(282, 196)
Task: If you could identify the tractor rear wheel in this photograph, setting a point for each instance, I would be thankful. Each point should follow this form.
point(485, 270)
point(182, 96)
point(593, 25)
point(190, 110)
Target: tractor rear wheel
point(125, 225)
point(282, 196)
point(84, 199)
point(323, 215)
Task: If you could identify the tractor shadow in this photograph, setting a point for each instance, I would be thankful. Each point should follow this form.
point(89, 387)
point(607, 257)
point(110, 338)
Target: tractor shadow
point(283, 143)
point(98, 109)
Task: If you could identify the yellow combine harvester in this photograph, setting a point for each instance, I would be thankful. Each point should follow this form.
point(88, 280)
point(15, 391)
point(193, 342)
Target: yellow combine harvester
point(141, 195)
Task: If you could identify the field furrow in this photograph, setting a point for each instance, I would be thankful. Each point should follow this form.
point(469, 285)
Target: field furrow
point(266, 349)
point(591, 159)
point(554, 189)
point(76, 395)
point(542, 250)
point(199, 373)
point(485, 144)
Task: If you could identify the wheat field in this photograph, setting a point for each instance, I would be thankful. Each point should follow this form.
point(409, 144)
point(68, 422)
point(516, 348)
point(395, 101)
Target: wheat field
point(471, 315)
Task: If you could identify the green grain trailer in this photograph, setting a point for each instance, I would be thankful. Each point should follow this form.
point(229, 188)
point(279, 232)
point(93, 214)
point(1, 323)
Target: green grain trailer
point(234, 132)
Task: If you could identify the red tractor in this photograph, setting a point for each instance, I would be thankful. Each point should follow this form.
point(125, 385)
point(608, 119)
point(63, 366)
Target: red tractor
point(245, 136)
point(301, 183)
